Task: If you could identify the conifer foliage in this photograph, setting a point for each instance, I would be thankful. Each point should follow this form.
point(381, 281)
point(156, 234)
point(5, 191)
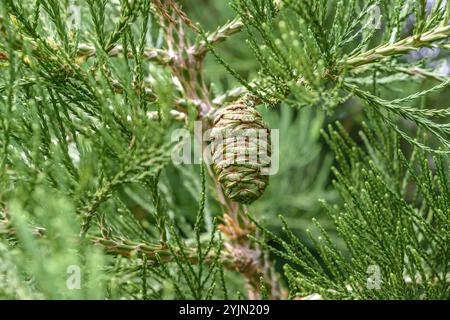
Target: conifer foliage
point(93, 204)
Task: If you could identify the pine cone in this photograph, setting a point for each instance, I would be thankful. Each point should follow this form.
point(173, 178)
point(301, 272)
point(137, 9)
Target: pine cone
point(240, 145)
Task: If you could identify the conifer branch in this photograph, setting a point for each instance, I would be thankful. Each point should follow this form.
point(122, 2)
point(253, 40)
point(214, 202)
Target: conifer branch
point(218, 36)
point(160, 56)
point(86, 111)
point(400, 47)
point(188, 67)
point(142, 163)
point(232, 259)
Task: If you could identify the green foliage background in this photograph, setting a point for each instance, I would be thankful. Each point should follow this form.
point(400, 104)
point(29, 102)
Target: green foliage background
point(86, 178)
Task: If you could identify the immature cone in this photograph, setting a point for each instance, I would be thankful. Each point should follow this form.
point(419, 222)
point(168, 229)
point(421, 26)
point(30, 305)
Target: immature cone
point(240, 145)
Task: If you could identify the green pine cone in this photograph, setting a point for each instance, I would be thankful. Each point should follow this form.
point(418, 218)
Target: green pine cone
point(240, 145)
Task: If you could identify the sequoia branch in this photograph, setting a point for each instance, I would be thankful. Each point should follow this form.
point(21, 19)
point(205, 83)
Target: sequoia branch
point(400, 47)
